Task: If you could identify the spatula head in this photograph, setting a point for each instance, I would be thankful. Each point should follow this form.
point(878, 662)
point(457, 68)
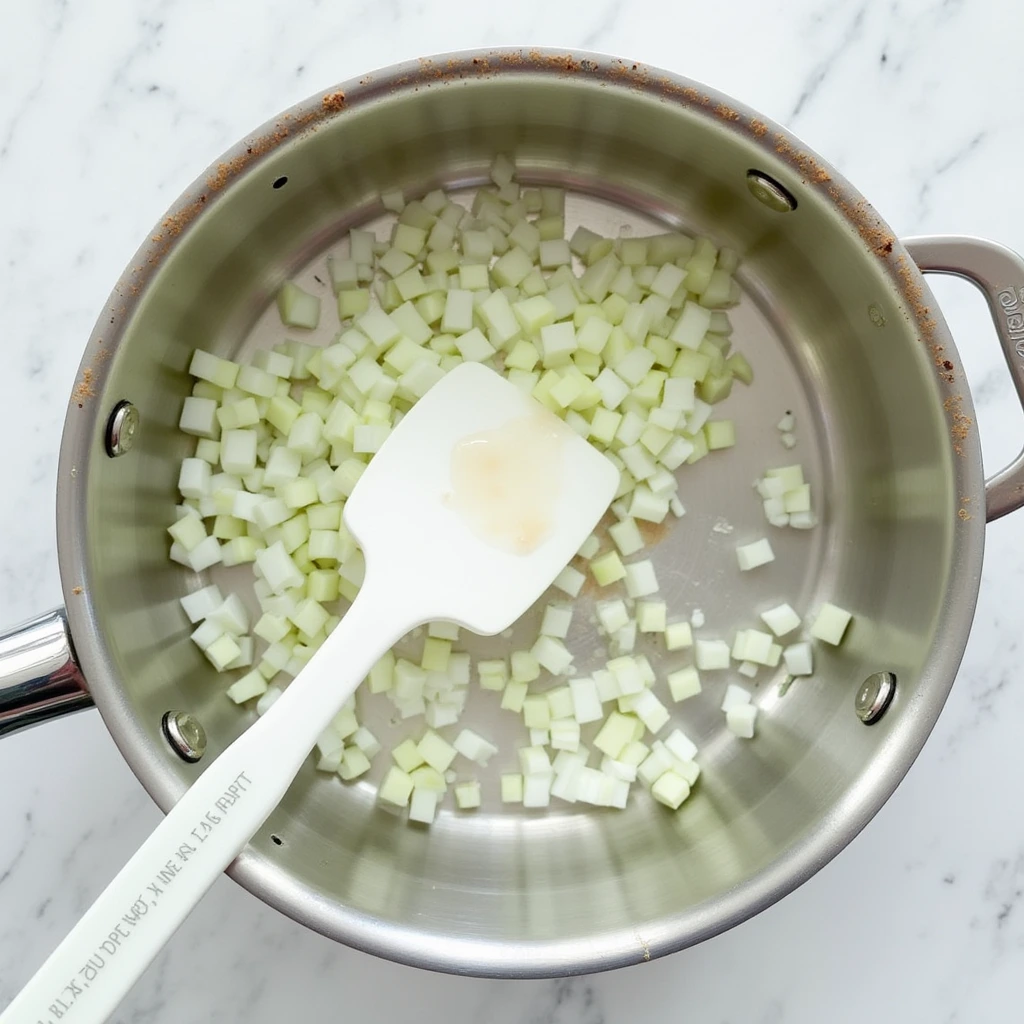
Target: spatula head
point(476, 501)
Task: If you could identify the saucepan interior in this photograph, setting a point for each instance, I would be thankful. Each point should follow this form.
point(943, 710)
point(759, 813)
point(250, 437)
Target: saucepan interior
point(503, 891)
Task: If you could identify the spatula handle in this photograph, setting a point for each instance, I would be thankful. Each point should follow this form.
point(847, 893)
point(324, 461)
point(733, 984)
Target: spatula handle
point(91, 970)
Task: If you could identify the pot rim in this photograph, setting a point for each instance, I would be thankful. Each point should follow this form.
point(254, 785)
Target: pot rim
point(82, 440)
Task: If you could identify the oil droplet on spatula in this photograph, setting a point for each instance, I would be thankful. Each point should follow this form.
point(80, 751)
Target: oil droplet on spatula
point(506, 482)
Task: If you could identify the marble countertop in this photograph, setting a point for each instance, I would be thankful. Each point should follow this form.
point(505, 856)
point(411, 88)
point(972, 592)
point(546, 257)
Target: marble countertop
point(108, 109)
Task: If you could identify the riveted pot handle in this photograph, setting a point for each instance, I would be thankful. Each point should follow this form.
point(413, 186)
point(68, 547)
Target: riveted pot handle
point(999, 273)
point(39, 675)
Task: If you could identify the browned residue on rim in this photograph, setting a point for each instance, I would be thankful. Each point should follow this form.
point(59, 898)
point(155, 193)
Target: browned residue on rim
point(759, 128)
point(960, 423)
point(808, 167)
point(76, 591)
point(866, 221)
point(964, 515)
point(84, 388)
point(726, 113)
point(224, 173)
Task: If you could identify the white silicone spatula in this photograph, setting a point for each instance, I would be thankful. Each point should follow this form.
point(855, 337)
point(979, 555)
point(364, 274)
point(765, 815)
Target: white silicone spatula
point(473, 505)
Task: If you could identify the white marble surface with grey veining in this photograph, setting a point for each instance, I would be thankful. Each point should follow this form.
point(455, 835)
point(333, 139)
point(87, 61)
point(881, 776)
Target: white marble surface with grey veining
point(108, 109)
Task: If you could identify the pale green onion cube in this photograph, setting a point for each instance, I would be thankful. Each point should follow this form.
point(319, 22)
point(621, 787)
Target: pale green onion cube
point(830, 624)
point(615, 734)
point(670, 789)
point(651, 616)
point(650, 711)
point(612, 615)
point(199, 604)
point(536, 712)
point(497, 314)
point(570, 581)
point(222, 651)
point(711, 655)
point(474, 747)
point(720, 434)
point(586, 702)
point(537, 790)
point(467, 795)
point(199, 417)
point(641, 580)
point(407, 756)
point(354, 762)
point(188, 531)
point(781, 619)
point(297, 308)
point(514, 696)
point(629, 677)
point(554, 253)
point(758, 647)
point(684, 683)
point(799, 659)
point(525, 667)
point(278, 569)
point(474, 347)
point(492, 673)
point(648, 506)
point(692, 325)
point(740, 720)
point(220, 372)
point(556, 621)
point(755, 554)
point(534, 314)
point(603, 425)
point(252, 684)
point(423, 805)
point(597, 279)
point(512, 788)
point(238, 451)
point(435, 751)
point(524, 356)
point(557, 343)
point(607, 568)
point(565, 734)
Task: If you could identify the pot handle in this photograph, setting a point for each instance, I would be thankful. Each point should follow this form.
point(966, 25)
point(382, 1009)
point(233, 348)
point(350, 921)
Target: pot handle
point(39, 674)
point(998, 272)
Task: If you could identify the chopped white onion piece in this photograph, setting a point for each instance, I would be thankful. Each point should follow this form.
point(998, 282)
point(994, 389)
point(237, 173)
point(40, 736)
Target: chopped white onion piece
point(474, 747)
point(640, 579)
point(830, 624)
point(735, 695)
point(781, 619)
point(740, 720)
point(684, 683)
point(755, 554)
point(799, 659)
point(670, 789)
point(711, 655)
point(199, 604)
point(467, 795)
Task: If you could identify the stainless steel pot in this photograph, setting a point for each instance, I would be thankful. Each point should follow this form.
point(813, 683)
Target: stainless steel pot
point(841, 327)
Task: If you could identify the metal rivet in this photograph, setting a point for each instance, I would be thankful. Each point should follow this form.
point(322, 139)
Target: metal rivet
point(185, 735)
point(767, 190)
point(122, 427)
point(874, 697)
